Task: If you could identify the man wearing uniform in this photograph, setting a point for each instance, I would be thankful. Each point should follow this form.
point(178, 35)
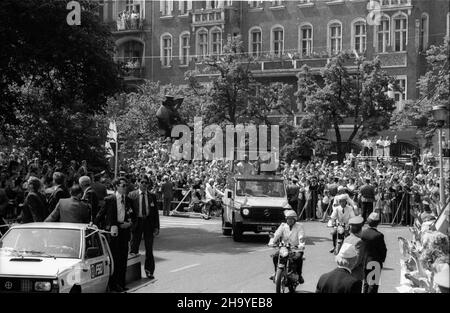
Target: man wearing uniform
point(293, 233)
point(356, 223)
point(374, 251)
point(342, 213)
point(340, 280)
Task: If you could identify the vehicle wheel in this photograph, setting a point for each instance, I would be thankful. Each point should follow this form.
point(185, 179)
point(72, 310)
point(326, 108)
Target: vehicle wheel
point(280, 281)
point(237, 232)
point(75, 289)
point(226, 231)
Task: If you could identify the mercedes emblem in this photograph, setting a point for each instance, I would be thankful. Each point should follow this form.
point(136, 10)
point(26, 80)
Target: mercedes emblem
point(8, 285)
point(266, 213)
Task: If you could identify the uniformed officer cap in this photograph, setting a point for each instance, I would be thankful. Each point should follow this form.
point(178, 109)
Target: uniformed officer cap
point(290, 213)
point(357, 220)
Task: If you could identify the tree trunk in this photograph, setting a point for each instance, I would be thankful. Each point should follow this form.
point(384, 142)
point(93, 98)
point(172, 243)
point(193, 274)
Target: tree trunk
point(340, 153)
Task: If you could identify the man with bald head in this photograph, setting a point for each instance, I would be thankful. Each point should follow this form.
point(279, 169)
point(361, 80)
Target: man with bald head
point(89, 196)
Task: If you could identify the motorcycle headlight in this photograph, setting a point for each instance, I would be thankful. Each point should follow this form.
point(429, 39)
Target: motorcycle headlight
point(42, 286)
point(284, 252)
point(245, 211)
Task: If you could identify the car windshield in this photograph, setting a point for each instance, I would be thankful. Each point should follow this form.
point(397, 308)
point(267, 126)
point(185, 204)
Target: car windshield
point(41, 242)
point(260, 188)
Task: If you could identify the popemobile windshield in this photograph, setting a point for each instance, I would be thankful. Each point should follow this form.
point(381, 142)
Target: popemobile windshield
point(54, 258)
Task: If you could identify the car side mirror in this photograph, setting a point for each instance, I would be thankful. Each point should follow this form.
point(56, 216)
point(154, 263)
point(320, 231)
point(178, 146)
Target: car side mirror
point(92, 252)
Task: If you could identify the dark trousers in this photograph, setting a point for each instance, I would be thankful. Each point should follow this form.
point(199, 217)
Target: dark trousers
point(143, 227)
point(167, 202)
point(298, 262)
point(119, 250)
point(367, 208)
point(294, 205)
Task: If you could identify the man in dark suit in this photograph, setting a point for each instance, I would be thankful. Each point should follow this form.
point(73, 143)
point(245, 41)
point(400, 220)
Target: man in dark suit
point(118, 214)
point(374, 251)
point(367, 197)
point(146, 221)
point(59, 192)
point(89, 196)
point(35, 204)
point(71, 210)
point(340, 280)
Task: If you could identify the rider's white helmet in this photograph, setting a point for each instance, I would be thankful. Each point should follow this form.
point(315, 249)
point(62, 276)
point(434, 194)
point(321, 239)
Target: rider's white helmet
point(290, 213)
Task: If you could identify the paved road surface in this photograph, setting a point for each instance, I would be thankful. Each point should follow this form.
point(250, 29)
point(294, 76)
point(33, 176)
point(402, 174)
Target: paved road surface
point(192, 256)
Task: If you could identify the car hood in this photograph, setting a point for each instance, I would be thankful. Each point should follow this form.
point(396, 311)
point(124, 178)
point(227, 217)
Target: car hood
point(48, 267)
point(262, 201)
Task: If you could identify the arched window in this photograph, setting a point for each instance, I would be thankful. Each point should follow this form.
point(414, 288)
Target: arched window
point(359, 35)
point(277, 42)
point(334, 37)
point(184, 48)
point(255, 41)
point(383, 34)
point(202, 43)
point(306, 39)
point(424, 26)
point(166, 50)
point(216, 41)
point(400, 22)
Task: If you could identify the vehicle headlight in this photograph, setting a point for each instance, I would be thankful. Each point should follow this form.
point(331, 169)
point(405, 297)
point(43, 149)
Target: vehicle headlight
point(284, 252)
point(245, 211)
point(42, 286)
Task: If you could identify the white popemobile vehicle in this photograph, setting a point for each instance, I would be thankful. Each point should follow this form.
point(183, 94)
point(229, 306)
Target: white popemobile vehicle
point(54, 258)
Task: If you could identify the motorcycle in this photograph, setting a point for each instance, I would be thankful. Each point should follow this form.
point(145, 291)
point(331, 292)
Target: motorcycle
point(286, 276)
point(342, 232)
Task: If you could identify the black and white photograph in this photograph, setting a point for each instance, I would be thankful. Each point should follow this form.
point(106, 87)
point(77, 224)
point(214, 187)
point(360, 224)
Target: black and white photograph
point(221, 153)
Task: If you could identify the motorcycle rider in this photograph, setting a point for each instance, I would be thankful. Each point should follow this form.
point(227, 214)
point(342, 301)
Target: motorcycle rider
point(292, 232)
point(342, 213)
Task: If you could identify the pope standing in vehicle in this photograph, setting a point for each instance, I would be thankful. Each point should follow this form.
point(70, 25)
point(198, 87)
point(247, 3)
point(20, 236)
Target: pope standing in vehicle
point(291, 232)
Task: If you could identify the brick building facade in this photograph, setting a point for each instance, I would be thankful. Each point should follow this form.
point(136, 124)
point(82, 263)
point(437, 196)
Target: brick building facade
point(161, 40)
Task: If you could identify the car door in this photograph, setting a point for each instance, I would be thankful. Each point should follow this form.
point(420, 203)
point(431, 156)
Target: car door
point(109, 264)
point(95, 265)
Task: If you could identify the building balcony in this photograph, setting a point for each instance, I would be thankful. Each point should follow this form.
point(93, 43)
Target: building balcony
point(208, 17)
point(134, 70)
point(393, 59)
point(128, 22)
point(393, 5)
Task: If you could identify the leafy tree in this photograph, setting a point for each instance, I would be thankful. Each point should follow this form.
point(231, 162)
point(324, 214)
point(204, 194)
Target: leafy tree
point(434, 90)
point(340, 96)
point(55, 78)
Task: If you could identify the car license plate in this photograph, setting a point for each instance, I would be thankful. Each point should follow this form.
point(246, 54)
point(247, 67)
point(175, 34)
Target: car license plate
point(266, 228)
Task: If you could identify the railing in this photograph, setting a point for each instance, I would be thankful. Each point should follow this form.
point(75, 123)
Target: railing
point(394, 3)
point(208, 17)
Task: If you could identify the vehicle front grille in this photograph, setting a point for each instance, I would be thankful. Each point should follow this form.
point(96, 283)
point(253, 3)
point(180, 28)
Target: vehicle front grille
point(25, 285)
point(265, 214)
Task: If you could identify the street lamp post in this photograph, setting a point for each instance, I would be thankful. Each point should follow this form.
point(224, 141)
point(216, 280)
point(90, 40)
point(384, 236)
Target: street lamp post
point(440, 114)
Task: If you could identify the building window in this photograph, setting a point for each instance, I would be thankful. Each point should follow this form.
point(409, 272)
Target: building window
point(202, 44)
point(424, 32)
point(132, 54)
point(383, 31)
point(184, 48)
point(306, 40)
point(335, 38)
point(184, 6)
point(254, 4)
point(400, 95)
point(131, 6)
point(277, 41)
point(400, 32)
point(166, 7)
point(214, 4)
point(359, 36)
point(255, 42)
point(166, 46)
point(277, 3)
point(216, 42)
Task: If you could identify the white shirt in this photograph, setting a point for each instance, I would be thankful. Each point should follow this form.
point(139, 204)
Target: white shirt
point(294, 236)
point(120, 208)
point(140, 202)
point(342, 214)
point(210, 192)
